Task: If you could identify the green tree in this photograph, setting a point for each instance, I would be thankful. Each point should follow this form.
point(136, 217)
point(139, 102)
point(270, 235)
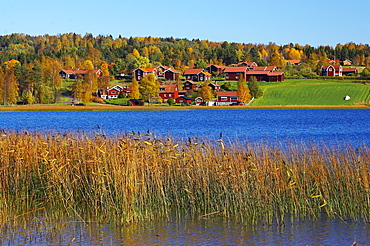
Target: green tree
point(134, 89)
point(254, 87)
point(200, 63)
point(149, 88)
point(206, 92)
point(243, 90)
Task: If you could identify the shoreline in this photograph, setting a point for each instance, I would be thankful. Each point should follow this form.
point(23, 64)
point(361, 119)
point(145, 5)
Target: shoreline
point(63, 107)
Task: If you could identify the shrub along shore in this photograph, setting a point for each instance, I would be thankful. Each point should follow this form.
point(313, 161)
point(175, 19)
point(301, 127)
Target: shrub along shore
point(132, 178)
point(104, 107)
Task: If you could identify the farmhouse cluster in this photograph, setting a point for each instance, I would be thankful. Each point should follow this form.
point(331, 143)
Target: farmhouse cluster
point(193, 78)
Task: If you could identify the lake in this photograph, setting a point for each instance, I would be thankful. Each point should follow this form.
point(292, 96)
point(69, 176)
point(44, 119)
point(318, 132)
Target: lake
point(350, 126)
point(342, 125)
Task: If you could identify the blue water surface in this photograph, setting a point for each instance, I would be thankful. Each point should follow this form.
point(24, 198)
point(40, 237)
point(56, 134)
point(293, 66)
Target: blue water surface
point(349, 125)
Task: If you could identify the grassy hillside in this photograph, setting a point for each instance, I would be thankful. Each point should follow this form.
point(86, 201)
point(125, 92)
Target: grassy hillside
point(313, 92)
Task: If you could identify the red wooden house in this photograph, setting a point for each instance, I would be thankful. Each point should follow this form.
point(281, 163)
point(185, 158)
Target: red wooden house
point(233, 73)
point(265, 76)
point(190, 85)
point(196, 74)
point(114, 91)
point(226, 97)
point(331, 70)
point(215, 69)
point(214, 86)
point(171, 74)
point(350, 71)
point(161, 69)
point(199, 101)
point(168, 91)
point(247, 64)
point(183, 99)
point(139, 73)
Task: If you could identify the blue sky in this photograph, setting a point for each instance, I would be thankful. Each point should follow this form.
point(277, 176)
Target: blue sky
point(310, 22)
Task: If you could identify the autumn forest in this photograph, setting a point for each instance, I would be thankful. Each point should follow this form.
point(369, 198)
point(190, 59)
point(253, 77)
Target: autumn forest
point(30, 64)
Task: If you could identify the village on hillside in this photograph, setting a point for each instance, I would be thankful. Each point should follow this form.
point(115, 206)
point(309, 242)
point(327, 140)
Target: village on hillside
point(178, 89)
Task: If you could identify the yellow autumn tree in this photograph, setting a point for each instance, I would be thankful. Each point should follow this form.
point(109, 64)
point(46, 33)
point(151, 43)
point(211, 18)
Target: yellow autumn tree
point(294, 54)
point(278, 60)
point(206, 92)
point(94, 55)
point(1, 84)
point(11, 64)
point(88, 65)
point(135, 53)
point(10, 87)
point(243, 91)
point(134, 89)
point(105, 68)
point(149, 88)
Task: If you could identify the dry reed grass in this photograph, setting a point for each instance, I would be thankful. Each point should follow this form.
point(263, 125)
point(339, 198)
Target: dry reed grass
point(140, 177)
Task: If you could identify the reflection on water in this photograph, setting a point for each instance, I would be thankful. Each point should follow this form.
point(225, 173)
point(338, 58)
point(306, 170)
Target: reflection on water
point(187, 232)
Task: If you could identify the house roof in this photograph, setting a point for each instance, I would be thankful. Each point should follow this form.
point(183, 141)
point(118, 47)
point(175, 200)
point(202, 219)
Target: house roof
point(274, 73)
point(168, 88)
point(79, 71)
point(350, 69)
point(335, 67)
point(293, 61)
point(254, 72)
point(235, 69)
point(164, 67)
point(171, 70)
point(148, 70)
point(185, 97)
point(268, 68)
point(217, 66)
point(193, 71)
point(214, 84)
point(249, 64)
point(191, 82)
point(227, 93)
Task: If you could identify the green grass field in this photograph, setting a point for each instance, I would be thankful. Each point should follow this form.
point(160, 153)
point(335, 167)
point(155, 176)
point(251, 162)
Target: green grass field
point(313, 92)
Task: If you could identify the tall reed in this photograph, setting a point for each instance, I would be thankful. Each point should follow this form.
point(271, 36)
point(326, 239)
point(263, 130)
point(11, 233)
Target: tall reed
point(139, 177)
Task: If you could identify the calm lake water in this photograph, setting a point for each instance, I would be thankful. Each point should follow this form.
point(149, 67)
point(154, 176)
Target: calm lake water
point(332, 125)
point(343, 125)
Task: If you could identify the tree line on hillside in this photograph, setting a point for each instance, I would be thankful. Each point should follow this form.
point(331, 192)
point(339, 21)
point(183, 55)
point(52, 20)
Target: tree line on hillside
point(30, 64)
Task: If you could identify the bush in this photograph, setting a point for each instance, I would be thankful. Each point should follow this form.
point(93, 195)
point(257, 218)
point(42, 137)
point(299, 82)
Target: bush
point(98, 100)
point(171, 101)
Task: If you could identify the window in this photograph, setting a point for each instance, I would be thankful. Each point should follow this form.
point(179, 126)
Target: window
point(223, 98)
point(227, 77)
point(237, 77)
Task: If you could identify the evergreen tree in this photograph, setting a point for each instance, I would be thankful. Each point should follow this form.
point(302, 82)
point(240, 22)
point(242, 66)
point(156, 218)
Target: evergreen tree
point(254, 87)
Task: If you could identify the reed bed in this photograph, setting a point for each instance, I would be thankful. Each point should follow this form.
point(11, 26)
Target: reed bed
point(140, 177)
